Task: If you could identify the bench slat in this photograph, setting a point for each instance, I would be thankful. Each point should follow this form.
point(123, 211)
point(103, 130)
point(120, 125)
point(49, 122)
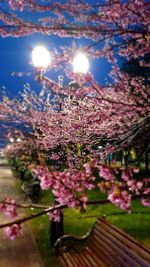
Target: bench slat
point(77, 260)
point(123, 236)
point(62, 261)
point(94, 259)
point(112, 255)
point(114, 251)
point(135, 249)
point(125, 251)
point(83, 259)
point(102, 253)
point(69, 260)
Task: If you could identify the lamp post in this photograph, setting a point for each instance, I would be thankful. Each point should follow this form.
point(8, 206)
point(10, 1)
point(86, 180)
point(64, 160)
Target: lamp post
point(41, 60)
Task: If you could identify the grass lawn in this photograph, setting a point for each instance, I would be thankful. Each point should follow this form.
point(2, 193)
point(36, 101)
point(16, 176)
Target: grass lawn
point(137, 224)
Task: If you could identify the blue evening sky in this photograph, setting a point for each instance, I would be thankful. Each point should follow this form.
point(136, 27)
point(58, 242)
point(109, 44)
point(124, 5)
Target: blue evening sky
point(15, 56)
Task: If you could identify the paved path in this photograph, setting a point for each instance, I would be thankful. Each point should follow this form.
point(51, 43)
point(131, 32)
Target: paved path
point(22, 252)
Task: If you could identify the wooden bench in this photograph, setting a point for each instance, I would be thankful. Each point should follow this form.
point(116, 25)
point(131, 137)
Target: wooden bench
point(104, 245)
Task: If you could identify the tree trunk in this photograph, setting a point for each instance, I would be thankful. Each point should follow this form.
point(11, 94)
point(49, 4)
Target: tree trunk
point(56, 229)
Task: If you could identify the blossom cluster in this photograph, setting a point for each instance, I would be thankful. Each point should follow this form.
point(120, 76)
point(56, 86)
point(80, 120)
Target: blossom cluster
point(13, 231)
point(17, 4)
point(121, 190)
point(55, 215)
point(8, 208)
point(69, 187)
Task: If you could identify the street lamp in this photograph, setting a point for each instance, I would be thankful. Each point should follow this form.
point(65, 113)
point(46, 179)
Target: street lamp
point(41, 57)
point(80, 63)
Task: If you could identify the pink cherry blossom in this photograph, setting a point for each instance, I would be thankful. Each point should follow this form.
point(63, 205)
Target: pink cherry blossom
point(55, 215)
point(55, 156)
point(8, 207)
point(13, 231)
point(125, 175)
point(88, 169)
point(105, 172)
point(136, 170)
point(135, 186)
point(146, 201)
point(84, 200)
point(121, 199)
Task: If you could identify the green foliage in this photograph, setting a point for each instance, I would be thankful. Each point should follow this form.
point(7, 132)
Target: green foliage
point(28, 176)
point(47, 197)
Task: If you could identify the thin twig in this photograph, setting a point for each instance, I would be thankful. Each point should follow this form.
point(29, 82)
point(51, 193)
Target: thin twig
point(50, 209)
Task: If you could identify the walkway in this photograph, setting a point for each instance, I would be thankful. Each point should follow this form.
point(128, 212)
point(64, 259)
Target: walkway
point(22, 252)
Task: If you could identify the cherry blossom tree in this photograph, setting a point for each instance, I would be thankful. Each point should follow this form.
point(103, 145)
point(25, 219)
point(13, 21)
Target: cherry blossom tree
point(93, 120)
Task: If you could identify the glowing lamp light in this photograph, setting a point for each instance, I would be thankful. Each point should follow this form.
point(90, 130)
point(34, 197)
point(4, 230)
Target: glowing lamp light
point(41, 57)
point(18, 139)
point(80, 63)
point(11, 140)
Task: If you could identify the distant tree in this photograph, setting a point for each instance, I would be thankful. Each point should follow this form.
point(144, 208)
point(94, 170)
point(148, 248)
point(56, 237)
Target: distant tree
point(135, 68)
